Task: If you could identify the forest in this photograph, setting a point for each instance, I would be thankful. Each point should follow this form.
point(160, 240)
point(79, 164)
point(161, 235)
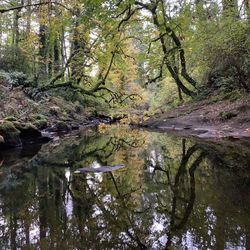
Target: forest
point(124, 124)
point(108, 56)
point(145, 55)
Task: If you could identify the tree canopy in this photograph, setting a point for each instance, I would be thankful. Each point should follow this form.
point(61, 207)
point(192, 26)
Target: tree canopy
point(125, 50)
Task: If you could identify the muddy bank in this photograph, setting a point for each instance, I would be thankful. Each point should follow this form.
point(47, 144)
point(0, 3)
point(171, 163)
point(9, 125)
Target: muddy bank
point(206, 119)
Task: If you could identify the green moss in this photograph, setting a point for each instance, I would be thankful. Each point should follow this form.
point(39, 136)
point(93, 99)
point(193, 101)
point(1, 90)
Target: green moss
point(25, 126)
point(10, 134)
point(78, 108)
point(18, 125)
point(54, 110)
point(8, 127)
point(38, 117)
point(224, 115)
point(10, 118)
point(41, 124)
point(27, 129)
point(61, 126)
point(30, 126)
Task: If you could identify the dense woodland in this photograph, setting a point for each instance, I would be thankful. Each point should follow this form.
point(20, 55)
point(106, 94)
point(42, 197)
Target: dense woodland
point(126, 52)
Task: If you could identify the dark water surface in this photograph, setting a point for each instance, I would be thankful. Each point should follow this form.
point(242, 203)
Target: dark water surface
point(172, 194)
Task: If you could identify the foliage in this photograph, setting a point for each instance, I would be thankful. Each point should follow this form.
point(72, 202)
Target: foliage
point(222, 49)
point(16, 78)
point(12, 59)
point(126, 54)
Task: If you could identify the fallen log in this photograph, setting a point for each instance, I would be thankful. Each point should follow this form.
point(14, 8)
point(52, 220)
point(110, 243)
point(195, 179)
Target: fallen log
point(102, 169)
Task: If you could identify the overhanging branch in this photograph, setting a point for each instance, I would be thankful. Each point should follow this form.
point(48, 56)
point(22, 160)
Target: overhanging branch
point(34, 5)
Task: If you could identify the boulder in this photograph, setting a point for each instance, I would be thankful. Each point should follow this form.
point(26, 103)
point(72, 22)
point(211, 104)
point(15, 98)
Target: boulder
point(28, 130)
point(41, 124)
point(10, 135)
point(2, 139)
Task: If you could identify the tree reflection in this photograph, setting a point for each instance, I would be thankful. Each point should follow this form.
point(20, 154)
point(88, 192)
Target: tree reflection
point(151, 204)
point(178, 222)
point(123, 213)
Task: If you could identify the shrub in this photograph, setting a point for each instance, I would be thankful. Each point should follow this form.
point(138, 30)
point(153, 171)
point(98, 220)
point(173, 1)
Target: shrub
point(16, 78)
point(12, 59)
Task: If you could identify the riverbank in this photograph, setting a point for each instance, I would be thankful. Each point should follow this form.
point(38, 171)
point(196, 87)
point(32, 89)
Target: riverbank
point(27, 118)
point(206, 119)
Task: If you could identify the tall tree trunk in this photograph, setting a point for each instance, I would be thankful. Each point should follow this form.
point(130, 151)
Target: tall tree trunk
point(78, 44)
point(64, 51)
point(1, 34)
point(176, 69)
point(16, 33)
point(247, 8)
point(42, 73)
point(42, 50)
point(56, 46)
point(13, 230)
point(56, 56)
point(28, 22)
point(177, 42)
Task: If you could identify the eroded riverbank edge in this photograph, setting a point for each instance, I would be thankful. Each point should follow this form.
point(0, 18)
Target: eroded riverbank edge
point(18, 135)
point(206, 120)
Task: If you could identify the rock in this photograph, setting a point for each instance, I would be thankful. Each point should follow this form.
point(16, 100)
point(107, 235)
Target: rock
point(61, 126)
point(54, 110)
point(10, 134)
point(28, 130)
point(201, 130)
point(2, 139)
point(41, 124)
point(74, 126)
point(186, 127)
point(29, 134)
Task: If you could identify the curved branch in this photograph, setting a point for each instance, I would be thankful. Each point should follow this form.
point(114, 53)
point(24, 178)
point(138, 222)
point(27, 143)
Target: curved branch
point(129, 12)
point(170, 32)
point(34, 5)
point(159, 76)
point(167, 62)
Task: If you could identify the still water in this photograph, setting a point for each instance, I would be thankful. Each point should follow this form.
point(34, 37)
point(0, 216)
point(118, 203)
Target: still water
point(172, 194)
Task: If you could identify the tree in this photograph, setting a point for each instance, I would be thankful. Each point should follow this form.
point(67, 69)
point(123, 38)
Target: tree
point(165, 34)
point(79, 44)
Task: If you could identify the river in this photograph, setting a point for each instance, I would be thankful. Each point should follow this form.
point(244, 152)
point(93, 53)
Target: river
point(173, 193)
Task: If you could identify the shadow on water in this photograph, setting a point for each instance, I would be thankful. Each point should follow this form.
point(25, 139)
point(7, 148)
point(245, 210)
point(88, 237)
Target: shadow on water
point(173, 193)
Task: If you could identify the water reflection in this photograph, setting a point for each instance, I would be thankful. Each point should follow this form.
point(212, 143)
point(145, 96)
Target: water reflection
point(173, 193)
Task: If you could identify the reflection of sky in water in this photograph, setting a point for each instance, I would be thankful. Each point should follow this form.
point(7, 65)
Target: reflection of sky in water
point(94, 178)
point(159, 226)
point(69, 205)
